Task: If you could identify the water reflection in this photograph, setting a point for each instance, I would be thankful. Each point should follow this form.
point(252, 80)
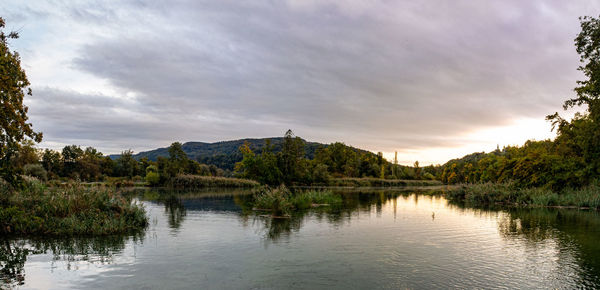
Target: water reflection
point(100, 250)
point(576, 233)
point(428, 227)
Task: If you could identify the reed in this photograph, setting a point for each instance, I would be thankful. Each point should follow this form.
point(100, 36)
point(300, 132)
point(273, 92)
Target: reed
point(197, 181)
point(378, 182)
point(509, 193)
point(282, 201)
point(69, 210)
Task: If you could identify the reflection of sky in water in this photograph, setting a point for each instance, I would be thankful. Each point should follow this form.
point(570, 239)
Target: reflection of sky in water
point(377, 240)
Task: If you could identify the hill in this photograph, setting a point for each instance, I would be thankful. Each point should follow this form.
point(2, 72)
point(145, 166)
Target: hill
point(224, 154)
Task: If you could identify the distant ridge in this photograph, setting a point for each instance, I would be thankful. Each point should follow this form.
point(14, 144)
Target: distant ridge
point(224, 154)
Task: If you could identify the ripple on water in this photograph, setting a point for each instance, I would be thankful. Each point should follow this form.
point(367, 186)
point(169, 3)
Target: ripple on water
point(394, 242)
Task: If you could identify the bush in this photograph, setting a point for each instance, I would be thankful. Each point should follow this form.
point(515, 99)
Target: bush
point(152, 178)
point(36, 170)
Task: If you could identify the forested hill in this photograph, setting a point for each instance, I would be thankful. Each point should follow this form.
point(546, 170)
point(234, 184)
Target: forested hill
point(224, 154)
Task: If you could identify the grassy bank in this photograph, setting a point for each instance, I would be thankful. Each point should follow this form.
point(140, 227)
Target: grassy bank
point(378, 182)
point(283, 202)
point(197, 181)
point(508, 193)
point(69, 210)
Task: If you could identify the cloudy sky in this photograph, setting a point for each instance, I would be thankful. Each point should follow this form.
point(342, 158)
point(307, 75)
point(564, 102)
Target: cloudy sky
point(433, 80)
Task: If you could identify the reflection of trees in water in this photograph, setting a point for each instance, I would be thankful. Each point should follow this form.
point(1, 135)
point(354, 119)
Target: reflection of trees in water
point(12, 261)
point(353, 203)
point(174, 209)
point(14, 253)
point(178, 202)
point(575, 232)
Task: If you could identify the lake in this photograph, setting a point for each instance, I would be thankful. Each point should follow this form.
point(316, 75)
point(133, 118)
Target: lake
point(392, 238)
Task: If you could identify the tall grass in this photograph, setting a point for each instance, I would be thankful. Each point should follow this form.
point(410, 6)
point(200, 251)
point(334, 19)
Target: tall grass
point(283, 202)
point(69, 210)
point(378, 182)
point(197, 181)
point(509, 193)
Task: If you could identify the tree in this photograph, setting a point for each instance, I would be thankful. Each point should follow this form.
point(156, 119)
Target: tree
point(90, 164)
point(585, 128)
point(70, 155)
point(290, 156)
point(126, 165)
point(177, 159)
point(51, 162)
point(13, 114)
point(26, 154)
point(262, 168)
point(417, 170)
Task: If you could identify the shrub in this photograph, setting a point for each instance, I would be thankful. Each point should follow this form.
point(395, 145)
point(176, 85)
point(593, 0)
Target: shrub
point(36, 170)
point(152, 178)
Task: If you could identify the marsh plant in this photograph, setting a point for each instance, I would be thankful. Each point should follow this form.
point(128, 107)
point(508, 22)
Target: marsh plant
point(68, 210)
point(198, 181)
point(511, 193)
point(282, 202)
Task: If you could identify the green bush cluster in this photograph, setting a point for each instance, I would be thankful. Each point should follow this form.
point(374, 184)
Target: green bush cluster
point(70, 210)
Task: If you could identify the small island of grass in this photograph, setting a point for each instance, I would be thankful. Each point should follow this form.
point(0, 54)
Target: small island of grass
point(282, 202)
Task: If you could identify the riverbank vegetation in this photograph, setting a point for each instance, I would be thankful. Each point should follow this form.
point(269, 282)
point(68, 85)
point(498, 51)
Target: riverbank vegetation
point(196, 181)
point(511, 194)
point(27, 205)
point(69, 210)
point(334, 165)
point(378, 182)
point(563, 171)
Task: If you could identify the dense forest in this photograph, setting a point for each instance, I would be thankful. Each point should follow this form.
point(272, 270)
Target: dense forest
point(570, 160)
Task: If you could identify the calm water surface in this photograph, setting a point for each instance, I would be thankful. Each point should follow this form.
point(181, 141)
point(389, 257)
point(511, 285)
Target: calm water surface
point(378, 239)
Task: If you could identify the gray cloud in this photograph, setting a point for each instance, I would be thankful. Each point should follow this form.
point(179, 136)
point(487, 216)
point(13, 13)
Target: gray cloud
point(382, 75)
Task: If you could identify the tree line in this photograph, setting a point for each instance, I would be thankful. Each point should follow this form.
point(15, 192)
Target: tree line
point(89, 164)
point(572, 159)
point(290, 166)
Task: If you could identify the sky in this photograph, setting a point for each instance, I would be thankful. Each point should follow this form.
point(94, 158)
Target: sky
point(432, 80)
